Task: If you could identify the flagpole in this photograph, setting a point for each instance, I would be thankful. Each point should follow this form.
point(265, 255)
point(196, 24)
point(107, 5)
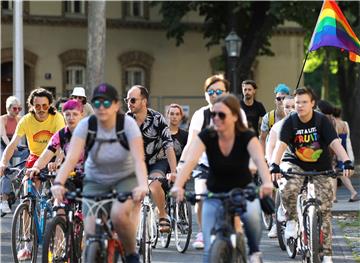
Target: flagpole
point(302, 69)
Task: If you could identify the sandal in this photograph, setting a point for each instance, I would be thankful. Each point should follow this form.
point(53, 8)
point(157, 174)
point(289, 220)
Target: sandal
point(354, 199)
point(164, 225)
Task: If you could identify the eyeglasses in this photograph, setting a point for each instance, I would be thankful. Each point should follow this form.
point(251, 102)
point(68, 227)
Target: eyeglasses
point(131, 100)
point(106, 103)
point(39, 106)
point(280, 98)
point(16, 108)
point(221, 115)
point(218, 92)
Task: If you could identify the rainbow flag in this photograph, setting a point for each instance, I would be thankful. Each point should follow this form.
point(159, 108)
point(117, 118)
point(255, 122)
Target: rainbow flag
point(332, 29)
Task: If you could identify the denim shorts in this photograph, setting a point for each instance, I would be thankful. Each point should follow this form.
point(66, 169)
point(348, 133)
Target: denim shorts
point(161, 166)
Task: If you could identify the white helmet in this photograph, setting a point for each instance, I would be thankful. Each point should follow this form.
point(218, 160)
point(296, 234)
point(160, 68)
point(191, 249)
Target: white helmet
point(78, 91)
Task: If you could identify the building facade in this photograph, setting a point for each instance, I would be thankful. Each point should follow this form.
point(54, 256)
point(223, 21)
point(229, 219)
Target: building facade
point(137, 52)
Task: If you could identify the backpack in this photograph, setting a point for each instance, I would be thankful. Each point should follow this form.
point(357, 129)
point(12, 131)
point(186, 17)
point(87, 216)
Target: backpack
point(271, 119)
point(207, 118)
point(120, 133)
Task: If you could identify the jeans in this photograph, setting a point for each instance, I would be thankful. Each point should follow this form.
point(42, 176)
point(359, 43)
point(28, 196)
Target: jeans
point(251, 219)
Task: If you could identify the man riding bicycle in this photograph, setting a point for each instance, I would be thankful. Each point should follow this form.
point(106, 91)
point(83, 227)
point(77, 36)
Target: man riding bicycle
point(110, 165)
point(37, 126)
point(309, 134)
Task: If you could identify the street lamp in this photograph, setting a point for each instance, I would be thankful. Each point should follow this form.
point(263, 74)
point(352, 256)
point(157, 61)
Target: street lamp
point(233, 45)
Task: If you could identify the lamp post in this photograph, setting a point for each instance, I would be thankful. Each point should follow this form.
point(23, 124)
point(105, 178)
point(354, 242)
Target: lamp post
point(233, 45)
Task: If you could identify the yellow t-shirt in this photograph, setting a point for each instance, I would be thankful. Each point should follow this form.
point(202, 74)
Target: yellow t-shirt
point(37, 133)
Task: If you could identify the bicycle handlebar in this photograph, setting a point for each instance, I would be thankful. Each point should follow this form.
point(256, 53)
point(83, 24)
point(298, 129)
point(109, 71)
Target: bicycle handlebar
point(329, 173)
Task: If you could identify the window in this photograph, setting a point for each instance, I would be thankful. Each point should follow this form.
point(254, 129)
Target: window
point(74, 76)
point(134, 76)
point(7, 5)
point(74, 7)
point(135, 9)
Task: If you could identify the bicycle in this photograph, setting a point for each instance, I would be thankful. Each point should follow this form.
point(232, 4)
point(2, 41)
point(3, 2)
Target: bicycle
point(104, 245)
point(29, 221)
point(148, 232)
point(267, 219)
point(309, 239)
point(63, 237)
point(15, 175)
point(227, 245)
point(180, 222)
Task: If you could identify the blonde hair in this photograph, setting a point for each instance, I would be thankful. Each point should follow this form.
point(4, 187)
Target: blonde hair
point(11, 101)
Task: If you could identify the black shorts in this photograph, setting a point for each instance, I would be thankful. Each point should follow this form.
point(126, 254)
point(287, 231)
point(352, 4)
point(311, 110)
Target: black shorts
point(161, 166)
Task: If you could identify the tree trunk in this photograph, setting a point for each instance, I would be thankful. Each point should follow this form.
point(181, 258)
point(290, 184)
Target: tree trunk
point(96, 44)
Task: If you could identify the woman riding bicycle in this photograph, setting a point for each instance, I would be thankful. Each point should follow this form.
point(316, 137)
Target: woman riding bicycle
point(228, 145)
point(109, 165)
point(59, 142)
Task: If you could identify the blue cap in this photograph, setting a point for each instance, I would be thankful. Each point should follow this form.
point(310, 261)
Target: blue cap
point(282, 88)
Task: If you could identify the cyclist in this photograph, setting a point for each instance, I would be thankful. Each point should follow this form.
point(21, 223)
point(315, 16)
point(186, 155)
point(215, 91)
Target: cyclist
point(175, 114)
point(159, 150)
point(8, 124)
point(308, 135)
point(214, 87)
point(106, 171)
point(273, 116)
point(73, 113)
point(37, 126)
point(289, 106)
point(228, 145)
point(79, 94)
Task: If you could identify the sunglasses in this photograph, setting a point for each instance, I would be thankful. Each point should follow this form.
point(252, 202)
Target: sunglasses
point(280, 98)
point(131, 100)
point(218, 92)
point(106, 103)
point(16, 108)
point(39, 106)
point(221, 115)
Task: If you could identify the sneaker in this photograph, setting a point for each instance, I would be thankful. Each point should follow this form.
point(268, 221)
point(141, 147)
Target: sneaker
point(256, 257)
point(291, 229)
point(327, 259)
point(24, 254)
point(132, 258)
point(280, 215)
point(199, 242)
point(273, 232)
point(5, 208)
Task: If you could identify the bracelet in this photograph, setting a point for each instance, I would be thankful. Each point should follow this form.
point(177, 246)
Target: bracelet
point(57, 183)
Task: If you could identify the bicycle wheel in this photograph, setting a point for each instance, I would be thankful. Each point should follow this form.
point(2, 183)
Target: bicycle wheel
point(267, 220)
point(56, 241)
point(78, 239)
point(240, 248)
point(153, 228)
point(220, 251)
point(291, 246)
point(280, 226)
point(145, 243)
point(165, 238)
point(183, 227)
point(313, 224)
point(23, 232)
point(93, 253)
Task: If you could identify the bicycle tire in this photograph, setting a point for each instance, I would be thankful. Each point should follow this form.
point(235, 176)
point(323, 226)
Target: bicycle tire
point(78, 239)
point(313, 222)
point(267, 220)
point(291, 247)
point(145, 244)
point(23, 208)
point(93, 253)
point(53, 236)
point(240, 248)
point(280, 227)
point(182, 225)
point(165, 237)
point(220, 251)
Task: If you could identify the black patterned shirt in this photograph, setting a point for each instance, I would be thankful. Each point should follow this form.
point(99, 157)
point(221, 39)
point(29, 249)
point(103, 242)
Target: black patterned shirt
point(156, 135)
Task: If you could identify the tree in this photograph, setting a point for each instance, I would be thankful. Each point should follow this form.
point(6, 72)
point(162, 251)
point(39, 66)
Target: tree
point(96, 44)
